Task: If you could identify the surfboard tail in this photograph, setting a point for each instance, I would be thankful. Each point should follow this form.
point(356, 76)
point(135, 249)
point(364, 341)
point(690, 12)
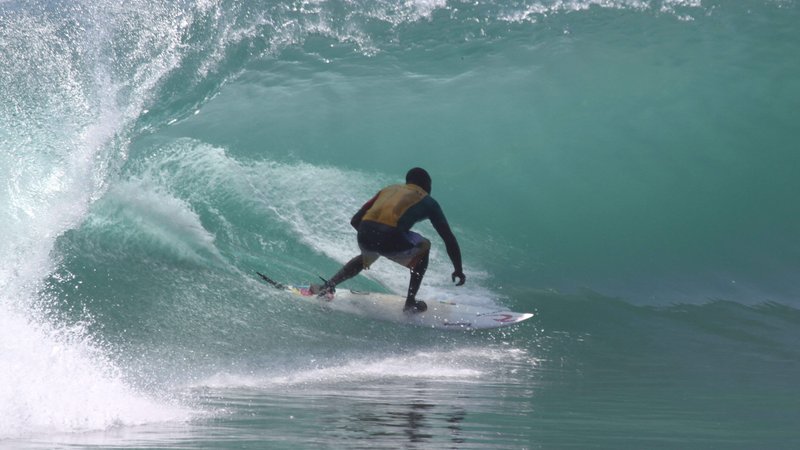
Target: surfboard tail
point(271, 281)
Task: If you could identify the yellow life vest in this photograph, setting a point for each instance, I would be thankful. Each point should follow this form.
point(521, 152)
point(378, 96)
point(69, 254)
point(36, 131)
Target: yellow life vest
point(393, 202)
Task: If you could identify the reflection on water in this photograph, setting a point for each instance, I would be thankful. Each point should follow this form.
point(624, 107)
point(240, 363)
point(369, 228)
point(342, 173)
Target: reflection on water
point(390, 414)
point(394, 413)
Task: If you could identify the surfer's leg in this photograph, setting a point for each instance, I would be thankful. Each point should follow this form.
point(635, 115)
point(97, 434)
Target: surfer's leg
point(417, 273)
point(351, 269)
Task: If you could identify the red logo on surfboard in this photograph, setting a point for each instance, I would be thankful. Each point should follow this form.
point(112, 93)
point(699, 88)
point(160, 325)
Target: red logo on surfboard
point(505, 318)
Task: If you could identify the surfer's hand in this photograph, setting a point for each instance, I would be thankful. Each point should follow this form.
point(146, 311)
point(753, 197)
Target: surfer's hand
point(461, 277)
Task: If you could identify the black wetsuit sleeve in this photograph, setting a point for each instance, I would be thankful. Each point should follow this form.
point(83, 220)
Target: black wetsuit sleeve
point(356, 220)
point(451, 244)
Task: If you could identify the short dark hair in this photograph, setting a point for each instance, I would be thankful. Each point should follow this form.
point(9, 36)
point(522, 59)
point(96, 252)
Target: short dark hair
point(420, 177)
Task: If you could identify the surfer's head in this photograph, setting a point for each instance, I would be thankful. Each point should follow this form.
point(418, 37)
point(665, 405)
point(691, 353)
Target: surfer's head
point(420, 177)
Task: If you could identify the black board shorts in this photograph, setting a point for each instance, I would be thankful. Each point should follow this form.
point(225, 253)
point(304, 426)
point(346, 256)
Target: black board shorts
point(403, 247)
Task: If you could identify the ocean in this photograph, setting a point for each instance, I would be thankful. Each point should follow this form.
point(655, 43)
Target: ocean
point(624, 169)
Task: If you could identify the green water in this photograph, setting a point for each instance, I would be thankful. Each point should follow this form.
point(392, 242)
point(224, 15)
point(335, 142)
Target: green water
point(623, 169)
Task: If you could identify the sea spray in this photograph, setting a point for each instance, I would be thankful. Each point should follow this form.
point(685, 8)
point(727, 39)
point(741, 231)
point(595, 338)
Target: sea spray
point(75, 79)
point(623, 168)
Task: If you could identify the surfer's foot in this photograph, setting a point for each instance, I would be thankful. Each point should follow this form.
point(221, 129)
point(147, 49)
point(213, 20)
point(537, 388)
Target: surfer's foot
point(416, 307)
point(324, 291)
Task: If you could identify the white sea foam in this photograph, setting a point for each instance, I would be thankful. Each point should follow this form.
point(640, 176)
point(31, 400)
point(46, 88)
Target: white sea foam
point(57, 380)
point(463, 364)
point(140, 211)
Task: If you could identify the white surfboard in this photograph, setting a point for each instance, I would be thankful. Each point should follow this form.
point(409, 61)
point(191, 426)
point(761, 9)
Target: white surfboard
point(441, 314)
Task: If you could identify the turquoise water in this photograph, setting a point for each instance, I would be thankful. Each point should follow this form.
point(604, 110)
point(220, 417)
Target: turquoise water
point(624, 169)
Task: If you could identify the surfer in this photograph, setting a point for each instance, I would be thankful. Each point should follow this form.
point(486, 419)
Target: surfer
point(384, 229)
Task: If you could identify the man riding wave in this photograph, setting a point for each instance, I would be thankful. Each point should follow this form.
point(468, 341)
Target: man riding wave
point(384, 229)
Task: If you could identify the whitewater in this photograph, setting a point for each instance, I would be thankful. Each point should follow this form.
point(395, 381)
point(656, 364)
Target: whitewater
point(626, 169)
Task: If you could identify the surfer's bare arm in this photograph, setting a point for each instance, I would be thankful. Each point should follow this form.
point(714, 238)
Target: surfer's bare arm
point(453, 250)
